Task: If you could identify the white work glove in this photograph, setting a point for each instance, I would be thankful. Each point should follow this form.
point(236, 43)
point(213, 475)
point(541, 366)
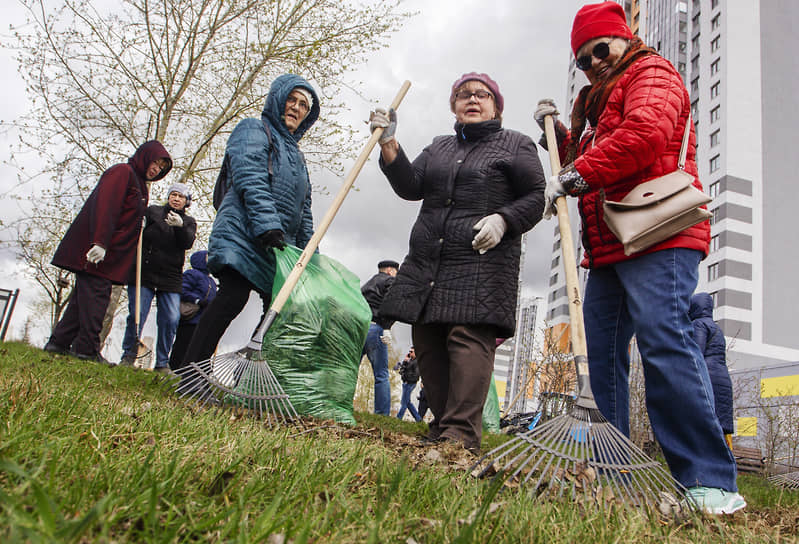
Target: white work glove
point(173, 219)
point(386, 338)
point(491, 229)
point(95, 254)
point(553, 191)
point(387, 120)
point(546, 106)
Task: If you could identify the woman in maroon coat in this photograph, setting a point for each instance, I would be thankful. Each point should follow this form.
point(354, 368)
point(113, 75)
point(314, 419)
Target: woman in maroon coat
point(100, 247)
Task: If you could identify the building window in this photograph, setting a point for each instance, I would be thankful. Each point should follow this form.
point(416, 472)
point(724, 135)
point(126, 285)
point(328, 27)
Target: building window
point(695, 85)
point(714, 218)
point(715, 43)
point(715, 163)
point(553, 279)
point(714, 4)
point(555, 261)
point(681, 68)
point(714, 189)
point(682, 46)
point(713, 272)
point(714, 138)
point(714, 89)
point(714, 67)
point(695, 108)
point(715, 297)
point(695, 63)
point(695, 44)
point(714, 243)
point(715, 22)
point(715, 114)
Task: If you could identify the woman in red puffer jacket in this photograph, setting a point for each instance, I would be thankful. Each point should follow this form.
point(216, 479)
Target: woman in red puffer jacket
point(636, 109)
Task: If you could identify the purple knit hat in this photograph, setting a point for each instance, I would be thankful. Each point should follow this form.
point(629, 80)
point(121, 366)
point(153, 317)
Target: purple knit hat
point(482, 78)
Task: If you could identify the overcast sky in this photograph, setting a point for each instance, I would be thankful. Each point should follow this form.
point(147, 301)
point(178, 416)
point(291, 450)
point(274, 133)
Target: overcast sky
point(522, 45)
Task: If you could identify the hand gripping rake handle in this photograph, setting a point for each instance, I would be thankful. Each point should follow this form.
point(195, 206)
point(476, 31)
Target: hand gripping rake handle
point(294, 276)
point(576, 324)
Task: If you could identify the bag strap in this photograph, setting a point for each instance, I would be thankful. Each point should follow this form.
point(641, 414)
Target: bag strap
point(684, 147)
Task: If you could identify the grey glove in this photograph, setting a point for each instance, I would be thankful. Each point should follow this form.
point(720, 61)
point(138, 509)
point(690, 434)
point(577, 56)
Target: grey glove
point(491, 229)
point(387, 120)
point(173, 219)
point(95, 254)
point(546, 106)
point(553, 190)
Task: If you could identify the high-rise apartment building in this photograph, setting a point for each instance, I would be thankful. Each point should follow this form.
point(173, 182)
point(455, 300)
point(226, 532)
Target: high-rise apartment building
point(742, 88)
point(512, 363)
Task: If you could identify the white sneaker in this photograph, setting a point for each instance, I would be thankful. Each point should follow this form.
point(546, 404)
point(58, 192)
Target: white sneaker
point(715, 501)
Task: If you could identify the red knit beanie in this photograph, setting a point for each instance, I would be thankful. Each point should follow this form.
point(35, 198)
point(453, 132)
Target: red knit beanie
point(482, 78)
point(597, 21)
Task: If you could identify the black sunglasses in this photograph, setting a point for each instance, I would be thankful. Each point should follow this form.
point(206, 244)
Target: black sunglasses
point(600, 51)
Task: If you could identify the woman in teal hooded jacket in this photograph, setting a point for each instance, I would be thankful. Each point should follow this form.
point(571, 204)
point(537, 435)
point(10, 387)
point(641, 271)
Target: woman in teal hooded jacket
point(266, 206)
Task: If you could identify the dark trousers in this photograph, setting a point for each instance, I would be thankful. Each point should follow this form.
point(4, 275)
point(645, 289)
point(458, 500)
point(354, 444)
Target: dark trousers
point(456, 362)
point(230, 300)
point(182, 339)
point(80, 325)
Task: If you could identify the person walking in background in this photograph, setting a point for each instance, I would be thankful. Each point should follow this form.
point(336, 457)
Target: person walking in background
point(409, 372)
point(199, 289)
point(379, 335)
point(627, 127)
point(422, 398)
point(710, 339)
point(168, 232)
point(100, 248)
point(481, 189)
point(267, 205)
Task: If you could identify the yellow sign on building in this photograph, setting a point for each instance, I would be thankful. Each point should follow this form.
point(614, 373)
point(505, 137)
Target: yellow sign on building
point(783, 386)
point(747, 426)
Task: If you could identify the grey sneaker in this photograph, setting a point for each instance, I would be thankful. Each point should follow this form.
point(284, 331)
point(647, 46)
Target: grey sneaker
point(715, 501)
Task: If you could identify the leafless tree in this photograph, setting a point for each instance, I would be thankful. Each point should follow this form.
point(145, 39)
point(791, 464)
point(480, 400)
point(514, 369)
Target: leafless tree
point(103, 79)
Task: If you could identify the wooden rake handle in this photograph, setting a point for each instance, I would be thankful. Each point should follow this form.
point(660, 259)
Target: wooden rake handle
point(308, 252)
point(576, 325)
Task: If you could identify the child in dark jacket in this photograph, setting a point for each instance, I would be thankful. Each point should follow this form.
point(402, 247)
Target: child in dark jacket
point(199, 288)
point(710, 339)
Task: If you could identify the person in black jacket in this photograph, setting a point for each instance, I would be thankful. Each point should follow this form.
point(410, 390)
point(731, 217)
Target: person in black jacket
point(710, 339)
point(481, 189)
point(375, 348)
point(168, 233)
point(409, 372)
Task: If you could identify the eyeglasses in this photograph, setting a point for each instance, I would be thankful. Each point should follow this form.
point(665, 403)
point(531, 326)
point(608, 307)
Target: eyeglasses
point(466, 95)
point(302, 105)
point(600, 51)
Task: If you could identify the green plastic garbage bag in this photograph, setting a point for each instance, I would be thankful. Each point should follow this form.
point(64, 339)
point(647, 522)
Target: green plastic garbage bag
point(491, 409)
point(314, 346)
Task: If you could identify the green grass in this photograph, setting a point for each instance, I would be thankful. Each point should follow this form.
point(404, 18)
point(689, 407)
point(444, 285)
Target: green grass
point(90, 453)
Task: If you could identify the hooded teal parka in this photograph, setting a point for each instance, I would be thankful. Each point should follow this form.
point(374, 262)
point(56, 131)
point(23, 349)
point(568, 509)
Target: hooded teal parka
point(255, 204)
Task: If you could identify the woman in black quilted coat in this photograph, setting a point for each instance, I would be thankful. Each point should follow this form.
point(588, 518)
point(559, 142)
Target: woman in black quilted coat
point(481, 189)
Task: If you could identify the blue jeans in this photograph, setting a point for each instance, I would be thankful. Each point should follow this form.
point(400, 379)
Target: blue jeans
point(167, 318)
point(649, 296)
point(405, 402)
point(377, 353)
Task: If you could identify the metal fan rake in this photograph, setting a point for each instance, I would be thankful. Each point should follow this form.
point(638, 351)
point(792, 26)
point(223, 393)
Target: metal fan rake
point(580, 455)
point(789, 480)
point(243, 378)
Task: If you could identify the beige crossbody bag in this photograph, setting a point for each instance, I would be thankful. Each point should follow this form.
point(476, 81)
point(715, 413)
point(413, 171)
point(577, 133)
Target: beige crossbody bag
point(659, 208)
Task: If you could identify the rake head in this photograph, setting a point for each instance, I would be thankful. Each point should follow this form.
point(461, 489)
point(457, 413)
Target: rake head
point(583, 457)
point(240, 379)
point(789, 480)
